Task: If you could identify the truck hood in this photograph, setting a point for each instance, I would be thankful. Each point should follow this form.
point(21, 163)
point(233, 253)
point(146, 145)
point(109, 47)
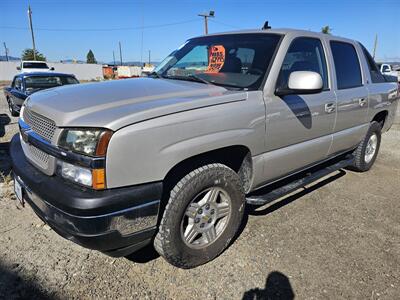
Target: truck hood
point(115, 104)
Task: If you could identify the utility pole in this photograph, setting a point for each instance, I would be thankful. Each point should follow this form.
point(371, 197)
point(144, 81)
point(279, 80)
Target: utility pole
point(114, 57)
point(210, 14)
point(31, 27)
point(141, 43)
point(149, 57)
point(5, 48)
point(120, 53)
point(375, 45)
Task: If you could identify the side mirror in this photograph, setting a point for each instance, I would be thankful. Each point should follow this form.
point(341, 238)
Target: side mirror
point(19, 68)
point(52, 69)
point(301, 82)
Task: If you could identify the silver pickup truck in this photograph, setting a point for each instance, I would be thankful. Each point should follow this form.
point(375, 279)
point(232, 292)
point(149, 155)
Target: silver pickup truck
point(172, 159)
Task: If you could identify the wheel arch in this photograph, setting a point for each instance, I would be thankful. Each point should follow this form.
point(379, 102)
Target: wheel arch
point(381, 117)
point(236, 157)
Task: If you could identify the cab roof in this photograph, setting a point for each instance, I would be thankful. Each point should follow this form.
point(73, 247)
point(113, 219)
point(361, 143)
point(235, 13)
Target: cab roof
point(285, 31)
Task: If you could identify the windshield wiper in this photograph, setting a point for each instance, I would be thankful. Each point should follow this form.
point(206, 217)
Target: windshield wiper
point(155, 75)
point(191, 77)
point(199, 79)
point(194, 77)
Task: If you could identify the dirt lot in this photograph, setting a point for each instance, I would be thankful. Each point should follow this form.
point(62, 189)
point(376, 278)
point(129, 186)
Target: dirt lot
point(339, 239)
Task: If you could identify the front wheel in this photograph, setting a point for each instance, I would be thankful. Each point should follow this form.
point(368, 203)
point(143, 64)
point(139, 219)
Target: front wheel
point(366, 153)
point(202, 216)
point(13, 112)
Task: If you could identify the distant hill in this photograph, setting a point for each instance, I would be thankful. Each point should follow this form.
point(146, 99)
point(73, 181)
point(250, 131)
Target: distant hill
point(71, 61)
point(10, 58)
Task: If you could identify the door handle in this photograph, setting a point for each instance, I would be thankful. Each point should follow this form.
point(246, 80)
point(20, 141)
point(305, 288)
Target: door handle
point(362, 101)
point(330, 107)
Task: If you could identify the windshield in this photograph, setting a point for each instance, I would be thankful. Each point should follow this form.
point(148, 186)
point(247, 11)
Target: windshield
point(35, 65)
point(45, 82)
point(231, 60)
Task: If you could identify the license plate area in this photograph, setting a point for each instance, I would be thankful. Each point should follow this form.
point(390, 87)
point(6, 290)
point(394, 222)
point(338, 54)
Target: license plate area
point(19, 191)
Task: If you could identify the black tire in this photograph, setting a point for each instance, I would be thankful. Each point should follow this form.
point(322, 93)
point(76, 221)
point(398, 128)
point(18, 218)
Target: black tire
point(360, 163)
point(169, 242)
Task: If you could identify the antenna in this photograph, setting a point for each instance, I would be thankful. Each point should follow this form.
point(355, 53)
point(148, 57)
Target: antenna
point(266, 26)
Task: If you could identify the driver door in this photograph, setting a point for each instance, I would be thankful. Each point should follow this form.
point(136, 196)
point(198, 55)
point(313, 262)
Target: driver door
point(299, 127)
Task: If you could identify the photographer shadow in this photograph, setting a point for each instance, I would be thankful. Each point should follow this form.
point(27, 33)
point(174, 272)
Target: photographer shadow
point(4, 120)
point(277, 286)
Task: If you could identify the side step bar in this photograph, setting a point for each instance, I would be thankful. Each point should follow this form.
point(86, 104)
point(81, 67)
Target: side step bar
point(309, 177)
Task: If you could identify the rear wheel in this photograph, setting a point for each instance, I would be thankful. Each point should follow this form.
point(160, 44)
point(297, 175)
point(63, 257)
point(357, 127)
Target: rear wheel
point(366, 153)
point(202, 216)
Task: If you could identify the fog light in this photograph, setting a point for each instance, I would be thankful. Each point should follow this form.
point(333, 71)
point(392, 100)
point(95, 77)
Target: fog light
point(76, 174)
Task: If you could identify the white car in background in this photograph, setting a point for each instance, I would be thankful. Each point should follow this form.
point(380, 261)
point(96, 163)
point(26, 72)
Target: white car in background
point(29, 66)
point(391, 70)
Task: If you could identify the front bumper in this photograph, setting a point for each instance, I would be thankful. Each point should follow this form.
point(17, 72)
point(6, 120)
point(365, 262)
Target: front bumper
point(115, 221)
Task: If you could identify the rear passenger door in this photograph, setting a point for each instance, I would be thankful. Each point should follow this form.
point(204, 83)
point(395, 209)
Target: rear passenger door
point(352, 97)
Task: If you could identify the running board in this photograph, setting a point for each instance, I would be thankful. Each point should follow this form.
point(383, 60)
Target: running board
point(309, 177)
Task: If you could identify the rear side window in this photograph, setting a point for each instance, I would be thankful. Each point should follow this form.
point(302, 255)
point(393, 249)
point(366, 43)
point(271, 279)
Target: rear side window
point(69, 80)
point(376, 76)
point(304, 54)
point(347, 65)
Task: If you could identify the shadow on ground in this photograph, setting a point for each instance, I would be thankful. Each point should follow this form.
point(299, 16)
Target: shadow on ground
point(4, 120)
point(5, 164)
point(277, 286)
point(13, 286)
point(254, 211)
point(144, 255)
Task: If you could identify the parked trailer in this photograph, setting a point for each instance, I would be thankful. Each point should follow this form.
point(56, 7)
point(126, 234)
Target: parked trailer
point(129, 71)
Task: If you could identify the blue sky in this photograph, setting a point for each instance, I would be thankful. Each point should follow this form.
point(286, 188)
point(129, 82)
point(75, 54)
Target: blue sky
point(357, 19)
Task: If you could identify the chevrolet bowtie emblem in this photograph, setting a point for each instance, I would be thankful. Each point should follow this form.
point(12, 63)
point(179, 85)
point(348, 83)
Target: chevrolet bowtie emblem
point(24, 134)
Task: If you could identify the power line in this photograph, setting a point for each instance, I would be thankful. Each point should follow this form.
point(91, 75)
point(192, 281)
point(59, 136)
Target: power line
point(102, 29)
point(222, 23)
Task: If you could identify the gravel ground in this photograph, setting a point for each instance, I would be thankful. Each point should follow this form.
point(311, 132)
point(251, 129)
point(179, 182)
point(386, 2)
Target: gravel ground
point(338, 239)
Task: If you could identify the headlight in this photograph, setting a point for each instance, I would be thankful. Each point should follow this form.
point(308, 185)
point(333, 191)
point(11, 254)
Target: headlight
point(86, 141)
point(92, 142)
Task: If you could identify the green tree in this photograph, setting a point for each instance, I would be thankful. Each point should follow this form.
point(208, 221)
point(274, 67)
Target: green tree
point(90, 59)
point(326, 30)
point(27, 54)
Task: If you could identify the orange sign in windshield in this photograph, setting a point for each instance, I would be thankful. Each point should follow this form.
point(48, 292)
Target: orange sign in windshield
point(216, 59)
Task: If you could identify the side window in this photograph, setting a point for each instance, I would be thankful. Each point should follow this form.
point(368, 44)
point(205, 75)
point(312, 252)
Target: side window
point(376, 76)
point(347, 65)
point(304, 54)
point(18, 84)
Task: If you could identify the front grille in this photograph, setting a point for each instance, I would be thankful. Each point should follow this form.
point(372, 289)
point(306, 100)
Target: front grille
point(40, 157)
point(43, 126)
